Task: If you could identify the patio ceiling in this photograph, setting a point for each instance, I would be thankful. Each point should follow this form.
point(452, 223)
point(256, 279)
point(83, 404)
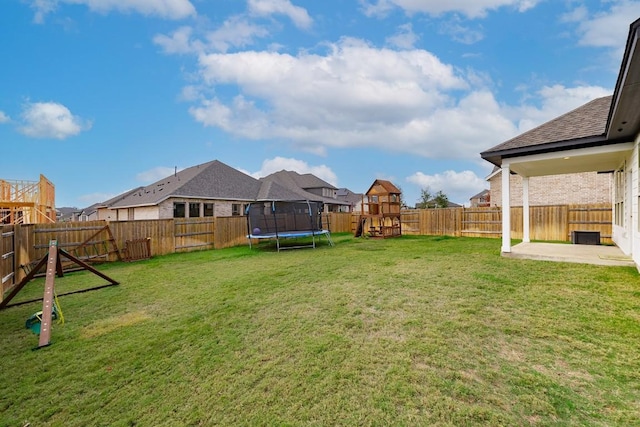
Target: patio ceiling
point(595, 159)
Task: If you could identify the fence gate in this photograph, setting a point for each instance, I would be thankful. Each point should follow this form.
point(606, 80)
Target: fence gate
point(193, 233)
point(7, 258)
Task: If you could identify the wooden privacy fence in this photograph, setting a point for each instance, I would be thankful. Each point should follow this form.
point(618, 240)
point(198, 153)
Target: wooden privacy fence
point(21, 245)
point(546, 223)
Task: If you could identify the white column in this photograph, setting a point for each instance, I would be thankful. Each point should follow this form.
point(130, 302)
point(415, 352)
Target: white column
point(506, 208)
point(525, 209)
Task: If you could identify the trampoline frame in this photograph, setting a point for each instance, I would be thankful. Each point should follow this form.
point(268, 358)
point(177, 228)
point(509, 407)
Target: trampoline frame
point(276, 223)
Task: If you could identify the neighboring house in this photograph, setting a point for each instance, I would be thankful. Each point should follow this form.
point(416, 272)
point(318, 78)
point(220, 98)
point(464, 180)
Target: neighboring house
point(575, 188)
point(354, 200)
point(211, 189)
point(600, 136)
point(433, 204)
point(100, 211)
point(481, 200)
point(451, 204)
point(310, 187)
point(67, 214)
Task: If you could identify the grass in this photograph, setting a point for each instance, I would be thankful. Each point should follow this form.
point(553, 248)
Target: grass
point(406, 331)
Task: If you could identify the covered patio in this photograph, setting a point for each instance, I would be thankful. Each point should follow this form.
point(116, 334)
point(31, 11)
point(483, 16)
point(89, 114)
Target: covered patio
point(600, 136)
point(560, 252)
point(572, 143)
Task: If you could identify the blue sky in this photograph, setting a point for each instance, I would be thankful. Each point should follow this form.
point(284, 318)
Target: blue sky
point(102, 96)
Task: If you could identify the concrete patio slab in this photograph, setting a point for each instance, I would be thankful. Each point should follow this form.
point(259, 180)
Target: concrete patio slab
point(585, 254)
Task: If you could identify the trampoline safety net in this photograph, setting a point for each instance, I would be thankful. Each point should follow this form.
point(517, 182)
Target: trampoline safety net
point(286, 219)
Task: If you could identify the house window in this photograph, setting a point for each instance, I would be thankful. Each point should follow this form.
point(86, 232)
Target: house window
point(236, 209)
point(179, 210)
point(618, 207)
point(208, 209)
point(194, 210)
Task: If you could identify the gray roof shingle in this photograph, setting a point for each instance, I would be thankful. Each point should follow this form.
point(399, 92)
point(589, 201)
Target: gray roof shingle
point(294, 182)
point(588, 120)
point(212, 180)
point(216, 180)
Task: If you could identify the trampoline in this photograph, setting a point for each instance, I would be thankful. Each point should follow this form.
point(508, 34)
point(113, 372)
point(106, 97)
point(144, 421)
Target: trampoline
point(280, 220)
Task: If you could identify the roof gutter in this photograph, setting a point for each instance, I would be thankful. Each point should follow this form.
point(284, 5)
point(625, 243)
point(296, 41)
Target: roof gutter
point(630, 47)
point(177, 196)
point(496, 157)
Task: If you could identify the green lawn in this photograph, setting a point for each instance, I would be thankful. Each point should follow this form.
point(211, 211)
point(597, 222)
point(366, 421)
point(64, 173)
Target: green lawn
point(406, 331)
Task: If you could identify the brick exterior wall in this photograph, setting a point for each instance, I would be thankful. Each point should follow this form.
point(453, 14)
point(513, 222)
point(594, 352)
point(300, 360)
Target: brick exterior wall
point(578, 188)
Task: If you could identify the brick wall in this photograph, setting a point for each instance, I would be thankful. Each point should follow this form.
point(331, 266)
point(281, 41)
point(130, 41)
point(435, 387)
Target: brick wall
point(578, 188)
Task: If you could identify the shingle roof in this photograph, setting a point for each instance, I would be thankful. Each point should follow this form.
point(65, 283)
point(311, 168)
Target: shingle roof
point(212, 180)
point(386, 185)
point(480, 194)
point(271, 190)
point(588, 120)
point(216, 180)
point(303, 181)
point(294, 181)
point(348, 196)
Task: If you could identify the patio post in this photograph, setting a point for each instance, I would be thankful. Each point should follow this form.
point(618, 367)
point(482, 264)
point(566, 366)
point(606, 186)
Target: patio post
point(525, 209)
point(506, 208)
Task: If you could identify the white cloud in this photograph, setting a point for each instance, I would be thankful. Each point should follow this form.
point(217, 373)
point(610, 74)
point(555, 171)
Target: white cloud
point(235, 32)
point(404, 38)
point(298, 15)
point(189, 93)
point(4, 118)
point(51, 120)
point(555, 101)
point(156, 174)
point(458, 186)
point(179, 42)
point(469, 8)
point(168, 9)
point(282, 163)
point(42, 8)
point(355, 95)
point(607, 29)
point(461, 33)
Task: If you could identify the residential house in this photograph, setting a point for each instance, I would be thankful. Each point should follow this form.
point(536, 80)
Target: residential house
point(310, 187)
point(100, 210)
point(576, 188)
point(67, 214)
point(210, 189)
point(481, 200)
point(353, 200)
point(600, 136)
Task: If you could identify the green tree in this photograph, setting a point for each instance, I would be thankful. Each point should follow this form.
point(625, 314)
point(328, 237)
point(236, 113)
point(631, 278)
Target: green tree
point(441, 200)
point(425, 198)
point(430, 200)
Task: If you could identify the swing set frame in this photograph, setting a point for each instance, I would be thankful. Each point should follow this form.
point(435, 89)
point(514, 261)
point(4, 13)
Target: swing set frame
point(53, 260)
